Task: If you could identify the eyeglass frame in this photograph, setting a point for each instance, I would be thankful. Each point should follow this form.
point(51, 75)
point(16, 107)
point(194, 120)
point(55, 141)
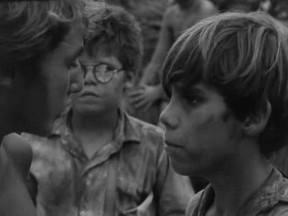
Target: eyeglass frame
point(94, 72)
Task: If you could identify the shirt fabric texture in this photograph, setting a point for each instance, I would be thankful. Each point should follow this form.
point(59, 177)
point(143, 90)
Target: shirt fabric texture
point(131, 175)
point(270, 200)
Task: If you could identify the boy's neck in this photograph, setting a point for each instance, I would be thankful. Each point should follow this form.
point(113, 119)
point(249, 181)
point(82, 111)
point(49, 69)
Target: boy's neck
point(95, 123)
point(239, 184)
point(94, 131)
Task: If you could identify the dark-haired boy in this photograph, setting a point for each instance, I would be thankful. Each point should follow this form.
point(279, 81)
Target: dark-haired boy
point(227, 78)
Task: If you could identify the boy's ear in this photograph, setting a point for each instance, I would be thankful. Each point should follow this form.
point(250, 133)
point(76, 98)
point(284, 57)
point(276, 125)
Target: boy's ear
point(255, 124)
point(130, 79)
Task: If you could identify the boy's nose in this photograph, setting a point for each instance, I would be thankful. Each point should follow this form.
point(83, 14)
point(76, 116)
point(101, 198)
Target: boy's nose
point(89, 77)
point(168, 120)
point(76, 81)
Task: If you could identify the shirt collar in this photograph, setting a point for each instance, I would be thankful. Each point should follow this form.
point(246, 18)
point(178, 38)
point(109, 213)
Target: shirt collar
point(274, 190)
point(126, 130)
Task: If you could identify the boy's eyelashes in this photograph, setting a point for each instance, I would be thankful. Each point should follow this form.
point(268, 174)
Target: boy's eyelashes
point(74, 64)
point(191, 97)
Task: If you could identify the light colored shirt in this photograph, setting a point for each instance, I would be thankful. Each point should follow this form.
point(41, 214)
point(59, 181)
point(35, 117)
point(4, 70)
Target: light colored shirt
point(129, 176)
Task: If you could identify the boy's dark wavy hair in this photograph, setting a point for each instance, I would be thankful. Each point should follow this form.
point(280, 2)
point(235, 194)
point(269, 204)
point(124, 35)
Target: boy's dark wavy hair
point(118, 29)
point(245, 58)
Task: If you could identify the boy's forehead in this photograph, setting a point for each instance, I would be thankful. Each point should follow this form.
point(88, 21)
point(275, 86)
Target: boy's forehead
point(99, 52)
point(187, 75)
point(93, 47)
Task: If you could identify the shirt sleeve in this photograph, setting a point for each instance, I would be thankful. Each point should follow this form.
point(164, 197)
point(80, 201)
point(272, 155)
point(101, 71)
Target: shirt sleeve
point(193, 204)
point(172, 191)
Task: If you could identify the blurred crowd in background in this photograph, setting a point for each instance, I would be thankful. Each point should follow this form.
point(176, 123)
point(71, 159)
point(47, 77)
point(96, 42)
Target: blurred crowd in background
point(151, 14)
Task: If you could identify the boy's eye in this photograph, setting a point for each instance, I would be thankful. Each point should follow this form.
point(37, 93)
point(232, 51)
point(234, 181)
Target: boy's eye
point(192, 99)
point(109, 68)
point(74, 65)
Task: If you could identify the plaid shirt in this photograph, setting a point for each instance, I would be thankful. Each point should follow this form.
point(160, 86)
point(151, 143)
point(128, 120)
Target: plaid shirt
point(270, 200)
point(131, 175)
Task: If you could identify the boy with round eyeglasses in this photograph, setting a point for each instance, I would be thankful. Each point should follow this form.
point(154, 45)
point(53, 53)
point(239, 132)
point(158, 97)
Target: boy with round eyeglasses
point(227, 80)
point(103, 73)
point(99, 160)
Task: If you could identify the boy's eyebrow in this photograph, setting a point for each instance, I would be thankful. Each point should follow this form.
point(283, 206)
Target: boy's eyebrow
point(196, 88)
point(193, 90)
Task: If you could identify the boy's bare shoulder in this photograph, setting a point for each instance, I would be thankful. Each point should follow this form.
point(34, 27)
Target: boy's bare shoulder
point(209, 7)
point(172, 11)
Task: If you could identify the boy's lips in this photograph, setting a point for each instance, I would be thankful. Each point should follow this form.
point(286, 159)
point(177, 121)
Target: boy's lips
point(169, 143)
point(89, 93)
